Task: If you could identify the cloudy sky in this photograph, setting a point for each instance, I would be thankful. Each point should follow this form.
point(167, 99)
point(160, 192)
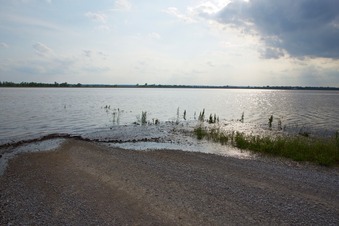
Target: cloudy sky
point(203, 42)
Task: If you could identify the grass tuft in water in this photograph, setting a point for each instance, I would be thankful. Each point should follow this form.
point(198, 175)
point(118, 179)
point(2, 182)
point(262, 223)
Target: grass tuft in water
point(178, 116)
point(201, 117)
point(242, 119)
point(279, 124)
point(322, 151)
point(143, 117)
point(213, 119)
point(270, 121)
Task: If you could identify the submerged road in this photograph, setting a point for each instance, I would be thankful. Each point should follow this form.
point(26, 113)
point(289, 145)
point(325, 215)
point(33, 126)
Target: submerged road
point(82, 183)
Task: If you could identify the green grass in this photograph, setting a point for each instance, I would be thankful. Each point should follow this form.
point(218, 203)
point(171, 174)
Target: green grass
point(322, 151)
point(214, 134)
point(200, 133)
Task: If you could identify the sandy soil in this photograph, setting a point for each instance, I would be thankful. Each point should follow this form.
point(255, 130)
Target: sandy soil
point(83, 183)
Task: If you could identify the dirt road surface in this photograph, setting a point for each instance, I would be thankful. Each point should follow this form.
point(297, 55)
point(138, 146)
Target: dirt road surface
point(82, 183)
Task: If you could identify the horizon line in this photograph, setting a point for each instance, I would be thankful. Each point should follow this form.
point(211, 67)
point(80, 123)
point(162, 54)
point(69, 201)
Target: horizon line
point(146, 85)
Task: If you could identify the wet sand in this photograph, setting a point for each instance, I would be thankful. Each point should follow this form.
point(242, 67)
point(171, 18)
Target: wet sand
point(82, 183)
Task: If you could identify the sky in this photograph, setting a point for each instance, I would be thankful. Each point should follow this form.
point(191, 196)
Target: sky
point(182, 42)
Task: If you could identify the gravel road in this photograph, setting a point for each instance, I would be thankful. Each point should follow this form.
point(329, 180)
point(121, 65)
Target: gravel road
point(83, 183)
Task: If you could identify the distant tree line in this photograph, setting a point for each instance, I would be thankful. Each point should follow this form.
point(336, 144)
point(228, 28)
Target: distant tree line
point(65, 84)
point(38, 84)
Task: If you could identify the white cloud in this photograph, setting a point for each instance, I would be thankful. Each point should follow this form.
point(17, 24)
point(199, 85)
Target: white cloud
point(208, 8)
point(173, 11)
point(98, 17)
point(99, 55)
point(122, 5)
point(154, 35)
point(205, 9)
point(42, 50)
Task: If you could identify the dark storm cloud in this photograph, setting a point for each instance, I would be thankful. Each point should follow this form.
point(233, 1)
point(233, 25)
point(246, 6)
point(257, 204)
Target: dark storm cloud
point(303, 28)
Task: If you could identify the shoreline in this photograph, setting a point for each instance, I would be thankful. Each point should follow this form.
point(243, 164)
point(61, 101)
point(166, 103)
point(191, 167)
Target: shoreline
point(83, 182)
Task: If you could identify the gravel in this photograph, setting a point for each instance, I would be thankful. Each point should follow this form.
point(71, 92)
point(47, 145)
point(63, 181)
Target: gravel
point(83, 183)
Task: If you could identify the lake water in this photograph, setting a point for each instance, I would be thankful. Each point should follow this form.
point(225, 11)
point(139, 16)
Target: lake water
point(27, 113)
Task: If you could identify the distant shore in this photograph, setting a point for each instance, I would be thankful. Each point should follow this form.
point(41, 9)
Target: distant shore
point(83, 183)
point(79, 85)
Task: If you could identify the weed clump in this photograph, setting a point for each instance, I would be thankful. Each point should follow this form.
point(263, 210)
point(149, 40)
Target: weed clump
point(242, 119)
point(201, 117)
point(322, 151)
point(178, 120)
point(213, 119)
point(143, 117)
point(279, 124)
point(214, 134)
point(155, 121)
point(200, 133)
point(270, 121)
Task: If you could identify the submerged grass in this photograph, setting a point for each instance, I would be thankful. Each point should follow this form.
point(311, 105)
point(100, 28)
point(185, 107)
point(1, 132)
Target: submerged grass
point(213, 134)
point(322, 151)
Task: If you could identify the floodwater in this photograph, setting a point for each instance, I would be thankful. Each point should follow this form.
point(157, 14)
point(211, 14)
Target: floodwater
point(114, 113)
